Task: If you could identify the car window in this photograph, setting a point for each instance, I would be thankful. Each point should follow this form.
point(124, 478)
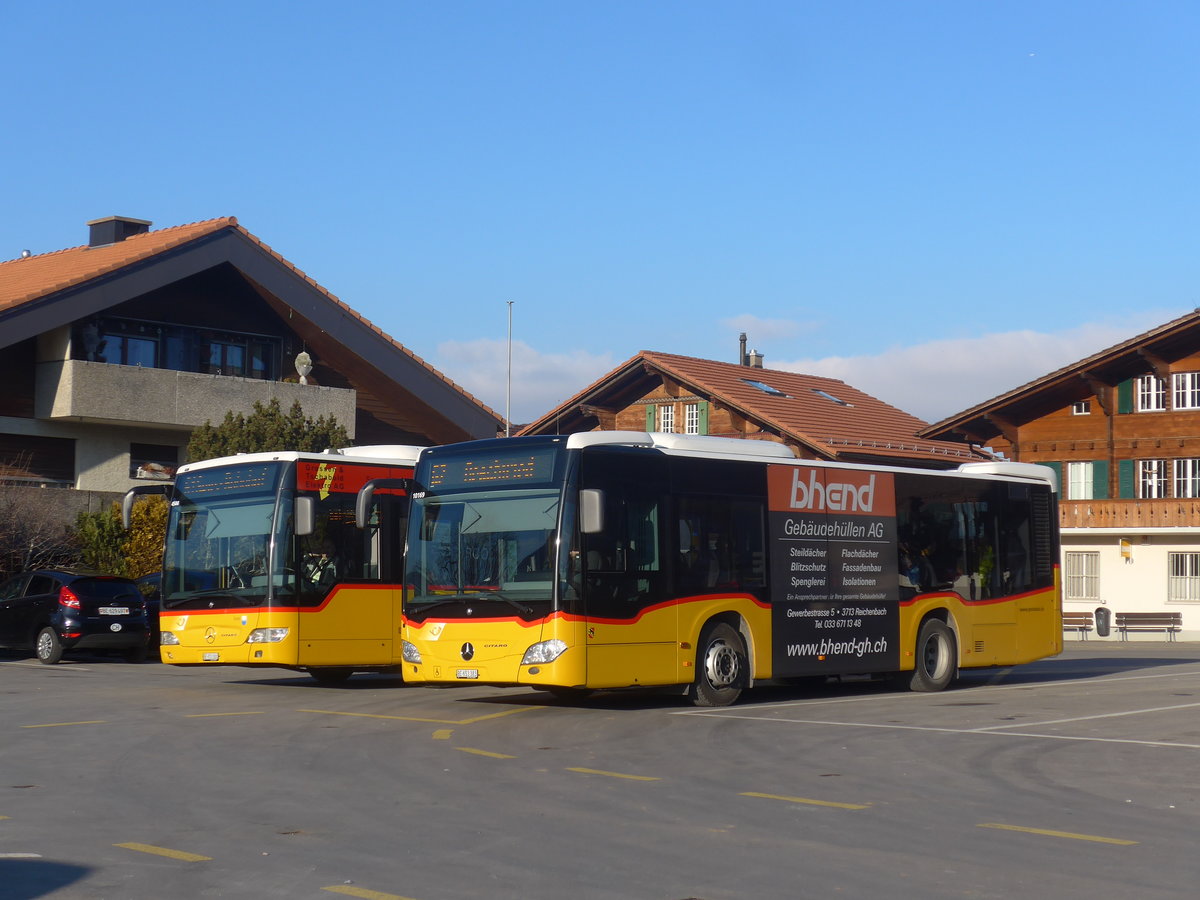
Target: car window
point(41, 584)
point(107, 588)
point(11, 588)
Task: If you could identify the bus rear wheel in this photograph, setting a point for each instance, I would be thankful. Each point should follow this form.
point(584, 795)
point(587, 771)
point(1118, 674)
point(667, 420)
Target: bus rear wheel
point(721, 667)
point(936, 660)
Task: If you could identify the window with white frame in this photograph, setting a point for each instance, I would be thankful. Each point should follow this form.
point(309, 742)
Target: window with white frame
point(1081, 407)
point(1187, 478)
point(1079, 480)
point(1185, 387)
point(1183, 579)
point(1152, 478)
point(666, 418)
point(1083, 576)
point(691, 418)
point(1151, 394)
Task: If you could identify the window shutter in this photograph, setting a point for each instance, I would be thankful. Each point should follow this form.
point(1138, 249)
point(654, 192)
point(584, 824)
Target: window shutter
point(1100, 479)
point(1125, 485)
point(650, 411)
point(1125, 397)
point(703, 410)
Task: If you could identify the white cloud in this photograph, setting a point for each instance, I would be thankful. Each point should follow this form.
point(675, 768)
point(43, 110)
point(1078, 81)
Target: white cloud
point(540, 381)
point(764, 330)
point(940, 378)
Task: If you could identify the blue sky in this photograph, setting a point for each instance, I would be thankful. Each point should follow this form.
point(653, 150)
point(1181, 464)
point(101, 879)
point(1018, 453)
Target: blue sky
point(934, 201)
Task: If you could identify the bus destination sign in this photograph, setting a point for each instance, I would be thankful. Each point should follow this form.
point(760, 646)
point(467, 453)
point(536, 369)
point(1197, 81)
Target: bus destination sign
point(494, 468)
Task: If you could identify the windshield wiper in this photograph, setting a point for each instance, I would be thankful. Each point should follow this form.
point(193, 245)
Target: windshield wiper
point(490, 596)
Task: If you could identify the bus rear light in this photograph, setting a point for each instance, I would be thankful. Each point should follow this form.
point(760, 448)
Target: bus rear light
point(266, 635)
point(409, 652)
point(67, 598)
point(544, 652)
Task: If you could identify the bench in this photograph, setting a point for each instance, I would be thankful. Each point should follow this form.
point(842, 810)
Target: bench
point(1078, 621)
point(1170, 622)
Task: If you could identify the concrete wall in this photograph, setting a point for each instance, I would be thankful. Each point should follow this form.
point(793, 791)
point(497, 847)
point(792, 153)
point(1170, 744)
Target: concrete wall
point(125, 395)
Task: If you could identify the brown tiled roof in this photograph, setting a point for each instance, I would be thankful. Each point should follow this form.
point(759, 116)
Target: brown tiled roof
point(831, 417)
point(43, 275)
point(22, 280)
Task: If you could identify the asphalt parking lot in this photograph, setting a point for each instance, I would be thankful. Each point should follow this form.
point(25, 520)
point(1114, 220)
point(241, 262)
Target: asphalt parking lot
point(1070, 777)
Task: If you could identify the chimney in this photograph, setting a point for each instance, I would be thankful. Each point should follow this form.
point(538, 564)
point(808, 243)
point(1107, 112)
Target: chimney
point(114, 229)
point(742, 359)
point(754, 360)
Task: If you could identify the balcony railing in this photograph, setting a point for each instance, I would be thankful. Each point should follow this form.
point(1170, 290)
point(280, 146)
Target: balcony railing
point(1129, 513)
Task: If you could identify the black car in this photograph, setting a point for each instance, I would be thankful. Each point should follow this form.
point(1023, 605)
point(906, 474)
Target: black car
point(50, 611)
point(151, 588)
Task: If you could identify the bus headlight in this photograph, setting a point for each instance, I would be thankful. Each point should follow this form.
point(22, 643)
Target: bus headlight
point(266, 635)
point(544, 652)
point(409, 652)
point(168, 638)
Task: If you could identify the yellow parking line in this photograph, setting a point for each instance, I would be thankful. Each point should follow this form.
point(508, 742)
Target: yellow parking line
point(164, 851)
point(215, 715)
point(62, 724)
point(1062, 834)
point(612, 774)
point(363, 893)
point(443, 734)
point(471, 721)
point(806, 800)
point(490, 753)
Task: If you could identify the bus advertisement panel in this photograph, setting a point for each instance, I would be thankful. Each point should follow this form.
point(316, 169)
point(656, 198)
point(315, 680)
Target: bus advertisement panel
point(835, 598)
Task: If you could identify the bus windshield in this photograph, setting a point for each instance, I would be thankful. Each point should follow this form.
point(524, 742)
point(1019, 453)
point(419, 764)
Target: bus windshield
point(493, 547)
point(219, 538)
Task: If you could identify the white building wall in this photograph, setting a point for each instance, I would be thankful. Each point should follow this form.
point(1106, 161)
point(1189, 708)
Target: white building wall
point(1134, 578)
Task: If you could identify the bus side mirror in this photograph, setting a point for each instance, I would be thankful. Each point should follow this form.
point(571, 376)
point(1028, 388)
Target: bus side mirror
point(305, 515)
point(591, 511)
point(141, 490)
point(366, 495)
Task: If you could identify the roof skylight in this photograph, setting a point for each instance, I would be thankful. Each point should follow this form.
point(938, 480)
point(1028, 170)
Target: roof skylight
point(765, 388)
point(829, 396)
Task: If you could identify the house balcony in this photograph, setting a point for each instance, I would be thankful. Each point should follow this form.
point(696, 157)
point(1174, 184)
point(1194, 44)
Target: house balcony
point(1129, 515)
point(82, 391)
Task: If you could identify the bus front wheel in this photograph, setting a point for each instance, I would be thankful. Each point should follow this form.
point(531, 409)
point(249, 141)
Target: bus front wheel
point(936, 662)
point(721, 667)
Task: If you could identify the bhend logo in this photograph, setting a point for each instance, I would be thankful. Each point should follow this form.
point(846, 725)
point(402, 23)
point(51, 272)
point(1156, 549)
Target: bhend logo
point(836, 496)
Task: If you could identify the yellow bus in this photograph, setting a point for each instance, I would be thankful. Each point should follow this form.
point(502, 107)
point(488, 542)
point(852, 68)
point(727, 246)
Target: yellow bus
point(627, 559)
point(263, 564)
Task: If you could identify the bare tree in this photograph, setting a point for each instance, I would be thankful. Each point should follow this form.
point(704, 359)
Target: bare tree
point(32, 531)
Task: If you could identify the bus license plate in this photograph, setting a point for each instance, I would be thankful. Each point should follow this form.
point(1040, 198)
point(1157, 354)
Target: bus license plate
point(212, 657)
point(467, 673)
point(114, 610)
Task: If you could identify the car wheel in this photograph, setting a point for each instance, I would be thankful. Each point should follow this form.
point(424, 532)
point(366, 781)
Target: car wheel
point(49, 648)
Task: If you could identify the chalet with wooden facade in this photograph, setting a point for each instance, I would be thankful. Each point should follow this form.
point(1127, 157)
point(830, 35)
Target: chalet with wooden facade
point(819, 418)
point(1122, 428)
point(114, 351)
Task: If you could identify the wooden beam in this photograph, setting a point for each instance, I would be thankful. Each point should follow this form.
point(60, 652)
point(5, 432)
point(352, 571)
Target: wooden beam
point(1007, 429)
point(1102, 390)
point(1160, 366)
